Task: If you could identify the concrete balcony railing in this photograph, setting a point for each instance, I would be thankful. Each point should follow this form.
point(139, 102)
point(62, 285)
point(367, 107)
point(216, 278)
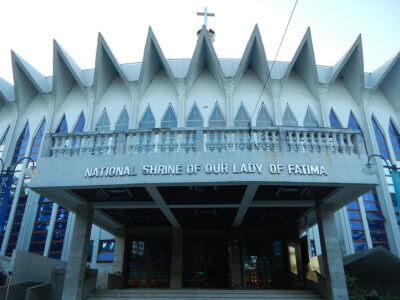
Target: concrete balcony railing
point(272, 139)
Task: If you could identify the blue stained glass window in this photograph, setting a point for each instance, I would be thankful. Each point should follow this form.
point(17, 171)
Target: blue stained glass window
point(216, 119)
point(147, 120)
point(353, 205)
point(123, 120)
point(353, 124)
point(3, 141)
point(37, 141)
point(22, 143)
point(90, 252)
point(288, 117)
point(356, 225)
point(242, 118)
point(169, 120)
point(80, 124)
point(395, 139)
point(106, 251)
point(334, 120)
point(264, 119)
point(62, 127)
point(309, 119)
point(194, 119)
point(358, 235)
point(103, 124)
point(372, 206)
point(360, 246)
point(380, 139)
point(354, 214)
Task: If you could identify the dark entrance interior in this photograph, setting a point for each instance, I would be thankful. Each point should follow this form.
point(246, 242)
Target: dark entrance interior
point(264, 264)
point(205, 263)
point(149, 263)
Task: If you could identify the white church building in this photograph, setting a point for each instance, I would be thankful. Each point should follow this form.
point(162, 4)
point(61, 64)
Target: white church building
point(201, 172)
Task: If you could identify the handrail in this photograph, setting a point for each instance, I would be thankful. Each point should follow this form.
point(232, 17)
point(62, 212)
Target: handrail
point(186, 140)
point(8, 284)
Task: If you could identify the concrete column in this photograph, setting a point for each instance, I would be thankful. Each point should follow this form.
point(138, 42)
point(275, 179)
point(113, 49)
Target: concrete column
point(235, 261)
point(176, 276)
point(119, 253)
point(331, 254)
point(75, 273)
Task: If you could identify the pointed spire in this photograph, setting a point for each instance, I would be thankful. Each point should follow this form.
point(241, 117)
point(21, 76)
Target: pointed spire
point(106, 69)
point(204, 57)
point(153, 62)
point(254, 58)
point(303, 63)
point(350, 69)
point(387, 79)
point(63, 63)
point(66, 74)
point(28, 82)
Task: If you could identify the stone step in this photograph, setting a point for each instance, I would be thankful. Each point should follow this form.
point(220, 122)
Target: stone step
point(203, 294)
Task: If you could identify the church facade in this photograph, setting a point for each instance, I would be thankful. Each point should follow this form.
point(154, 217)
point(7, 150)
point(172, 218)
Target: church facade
point(201, 172)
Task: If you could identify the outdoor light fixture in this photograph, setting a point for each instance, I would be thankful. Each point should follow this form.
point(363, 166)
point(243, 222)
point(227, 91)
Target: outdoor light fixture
point(30, 172)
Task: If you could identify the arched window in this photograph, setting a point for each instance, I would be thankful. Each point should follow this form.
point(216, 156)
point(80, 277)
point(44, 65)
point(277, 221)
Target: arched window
point(216, 119)
point(380, 139)
point(80, 124)
point(333, 119)
point(62, 126)
point(309, 119)
point(264, 119)
point(147, 120)
point(395, 139)
point(169, 119)
point(3, 141)
point(194, 119)
point(103, 124)
point(123, 120)
point(242, 118)
point(353, 124)
point(22, 144)
point(288, 117)
point(37, 140)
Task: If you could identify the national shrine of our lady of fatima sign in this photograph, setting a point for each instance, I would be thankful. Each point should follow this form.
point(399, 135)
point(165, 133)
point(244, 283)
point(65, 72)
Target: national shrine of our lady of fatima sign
point(219, 168)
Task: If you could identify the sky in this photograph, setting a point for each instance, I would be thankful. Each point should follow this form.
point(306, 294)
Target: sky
point(29, 27)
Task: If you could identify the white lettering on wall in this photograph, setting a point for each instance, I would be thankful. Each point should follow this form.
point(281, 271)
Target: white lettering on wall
point(218, 168)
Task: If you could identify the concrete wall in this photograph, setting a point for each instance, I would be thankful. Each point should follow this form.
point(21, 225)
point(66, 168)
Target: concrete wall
point(31, 267)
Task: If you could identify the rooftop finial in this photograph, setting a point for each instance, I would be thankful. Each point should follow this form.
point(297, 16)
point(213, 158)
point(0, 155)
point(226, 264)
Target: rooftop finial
point(207, 14)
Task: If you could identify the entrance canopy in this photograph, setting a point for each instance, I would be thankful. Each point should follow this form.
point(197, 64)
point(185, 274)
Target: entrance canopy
point(216, 178)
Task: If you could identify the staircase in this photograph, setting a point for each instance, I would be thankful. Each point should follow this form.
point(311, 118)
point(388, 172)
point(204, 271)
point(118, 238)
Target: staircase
point(193, 294)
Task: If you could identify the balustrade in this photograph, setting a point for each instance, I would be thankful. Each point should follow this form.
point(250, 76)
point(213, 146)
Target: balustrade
point(272, 139)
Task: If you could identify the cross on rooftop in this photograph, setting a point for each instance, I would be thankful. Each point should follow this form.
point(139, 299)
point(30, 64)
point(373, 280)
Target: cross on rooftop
point(206, 14)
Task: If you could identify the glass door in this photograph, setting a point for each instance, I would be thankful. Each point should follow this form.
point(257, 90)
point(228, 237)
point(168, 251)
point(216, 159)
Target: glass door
point(149, 264)
point(205, 263)
point(264, 264)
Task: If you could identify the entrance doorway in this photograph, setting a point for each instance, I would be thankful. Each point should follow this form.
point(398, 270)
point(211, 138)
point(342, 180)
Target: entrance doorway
point(205, 263)
point(264, 264)
point(149, 263)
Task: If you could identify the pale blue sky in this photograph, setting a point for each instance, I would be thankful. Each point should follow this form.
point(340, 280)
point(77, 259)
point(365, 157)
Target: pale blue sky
point(28, 27)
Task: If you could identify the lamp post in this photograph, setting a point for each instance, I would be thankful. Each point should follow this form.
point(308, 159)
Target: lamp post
point(394, 173)
point(6, 178)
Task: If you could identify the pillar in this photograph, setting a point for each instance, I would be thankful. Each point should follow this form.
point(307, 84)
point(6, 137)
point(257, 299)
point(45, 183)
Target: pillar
point(119, 253)
point(75, 273)
point(235, 259)
point(331, 255)
point(176, 259)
